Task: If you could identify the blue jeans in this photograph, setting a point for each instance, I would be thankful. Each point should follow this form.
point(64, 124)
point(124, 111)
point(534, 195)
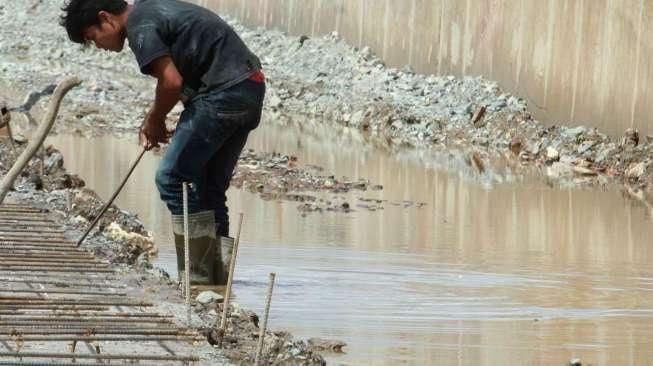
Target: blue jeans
point(205, 148)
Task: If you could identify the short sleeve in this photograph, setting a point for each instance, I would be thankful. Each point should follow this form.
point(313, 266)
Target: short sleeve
point(146, 40)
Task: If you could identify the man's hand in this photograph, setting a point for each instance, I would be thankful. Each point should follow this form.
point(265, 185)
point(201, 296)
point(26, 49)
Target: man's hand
point(153, 132)
point(168, 90)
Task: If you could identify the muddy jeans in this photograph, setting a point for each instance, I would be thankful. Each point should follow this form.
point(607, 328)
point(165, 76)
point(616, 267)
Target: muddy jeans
point(205, 147)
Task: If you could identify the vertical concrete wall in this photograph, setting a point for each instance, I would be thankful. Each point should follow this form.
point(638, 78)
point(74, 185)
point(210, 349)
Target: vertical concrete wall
point(581, 61)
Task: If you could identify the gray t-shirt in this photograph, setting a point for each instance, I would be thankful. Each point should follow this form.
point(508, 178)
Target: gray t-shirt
point(205, 49)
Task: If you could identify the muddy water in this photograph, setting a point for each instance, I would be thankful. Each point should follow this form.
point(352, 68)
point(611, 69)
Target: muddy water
point(508, 274)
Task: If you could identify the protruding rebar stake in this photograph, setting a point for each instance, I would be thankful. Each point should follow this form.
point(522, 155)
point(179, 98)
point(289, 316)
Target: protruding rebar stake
point(186, 254)
point(232, 267)
point(261, 337)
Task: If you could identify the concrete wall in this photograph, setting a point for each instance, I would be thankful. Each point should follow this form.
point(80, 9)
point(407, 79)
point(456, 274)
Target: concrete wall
point(581, 61)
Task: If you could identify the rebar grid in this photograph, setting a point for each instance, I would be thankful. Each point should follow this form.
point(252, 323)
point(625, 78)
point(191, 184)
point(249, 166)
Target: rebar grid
point(35, 251)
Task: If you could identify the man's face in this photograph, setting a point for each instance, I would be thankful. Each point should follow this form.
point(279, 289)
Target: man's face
point(107, 35)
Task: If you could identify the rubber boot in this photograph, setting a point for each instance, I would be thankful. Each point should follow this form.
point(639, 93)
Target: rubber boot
point(226, 249)
point(204, 249)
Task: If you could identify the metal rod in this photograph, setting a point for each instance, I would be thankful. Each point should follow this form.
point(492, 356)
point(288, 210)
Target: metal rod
point(99, 356)
point(38, 301)
point(46, 259)
point(20, 313)
point(54, 269)
point(33, 248)
point(39, 262)
point(64, 338)
point(55, 308)
point(232, 266)
point(63, 284)
point(28, 230)
point(187, 288)
point(113, 197)
point(60, 291)
point(98, 319)
point(85, 332)
point(261, 336)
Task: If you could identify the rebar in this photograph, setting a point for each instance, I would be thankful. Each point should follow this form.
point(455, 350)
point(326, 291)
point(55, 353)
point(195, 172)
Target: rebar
point(59, 338)
point(232, 267)
point(261, 337)
point(99, 319)
point(18, 314)
point(55, 269)
point(6, 301)
point(186, 253)
point(100, 356)
point(85, 332)
point(61, 291)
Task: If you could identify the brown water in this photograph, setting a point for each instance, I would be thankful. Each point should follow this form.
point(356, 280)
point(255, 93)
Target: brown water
point(483, 275)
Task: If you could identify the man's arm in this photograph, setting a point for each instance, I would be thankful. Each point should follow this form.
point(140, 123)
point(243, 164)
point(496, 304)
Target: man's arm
point(168, 91)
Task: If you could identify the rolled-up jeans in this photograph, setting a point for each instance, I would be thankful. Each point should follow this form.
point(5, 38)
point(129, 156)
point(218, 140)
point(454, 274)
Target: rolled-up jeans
point(205, 148)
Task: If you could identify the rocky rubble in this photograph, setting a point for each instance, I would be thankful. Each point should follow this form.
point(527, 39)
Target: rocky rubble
point(280, 177)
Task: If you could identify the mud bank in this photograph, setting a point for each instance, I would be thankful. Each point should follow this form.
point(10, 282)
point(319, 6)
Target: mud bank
point(122, 239)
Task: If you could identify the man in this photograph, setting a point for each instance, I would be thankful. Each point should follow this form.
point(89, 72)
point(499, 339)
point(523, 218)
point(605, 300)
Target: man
point(199, 59)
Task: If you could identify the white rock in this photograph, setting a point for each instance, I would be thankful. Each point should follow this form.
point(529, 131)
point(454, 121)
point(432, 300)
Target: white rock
point(636, 170)
point(552, 154)
point(208, 297)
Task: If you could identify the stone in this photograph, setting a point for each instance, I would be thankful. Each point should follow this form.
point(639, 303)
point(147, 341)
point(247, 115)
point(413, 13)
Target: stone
point(516, 146)
point(479, 114)
point(631, 138)
point(584, 171)
point(275, 101)
point(575, 132)
point(208, 297)
point(321, 345)
point(36, 180)
point(19, 138)
point(552, 154)
point(53, 162)
point(575, 362)
point(366, 53)
point(636, 170)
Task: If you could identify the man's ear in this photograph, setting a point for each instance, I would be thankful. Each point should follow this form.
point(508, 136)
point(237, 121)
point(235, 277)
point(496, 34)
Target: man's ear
point(106, 17)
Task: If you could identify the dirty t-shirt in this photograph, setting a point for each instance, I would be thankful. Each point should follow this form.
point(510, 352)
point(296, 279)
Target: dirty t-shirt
point(205, 49)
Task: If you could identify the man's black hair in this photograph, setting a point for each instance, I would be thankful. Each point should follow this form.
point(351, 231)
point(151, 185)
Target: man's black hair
point(81, 14)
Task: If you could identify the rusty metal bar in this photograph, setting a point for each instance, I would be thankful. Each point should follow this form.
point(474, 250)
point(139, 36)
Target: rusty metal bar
point(7, 300)
point(62, 284)
point(55, 269)
point(55, 308)
point(19, 314)
point(100, 356)
point(52, 261)
point(61, 291)
point(113, 324)
point(20, 223)
point(23, 249)
point(58, 338)
point(9, 258)
point(36, 238)
point(98, 319)
point(85, 332)
point(37, 263)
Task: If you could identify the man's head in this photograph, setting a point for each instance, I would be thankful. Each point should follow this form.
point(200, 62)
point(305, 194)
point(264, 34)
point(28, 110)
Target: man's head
point(99, 21)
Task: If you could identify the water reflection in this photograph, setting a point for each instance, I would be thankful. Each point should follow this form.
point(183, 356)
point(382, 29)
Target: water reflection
point(485, 276)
